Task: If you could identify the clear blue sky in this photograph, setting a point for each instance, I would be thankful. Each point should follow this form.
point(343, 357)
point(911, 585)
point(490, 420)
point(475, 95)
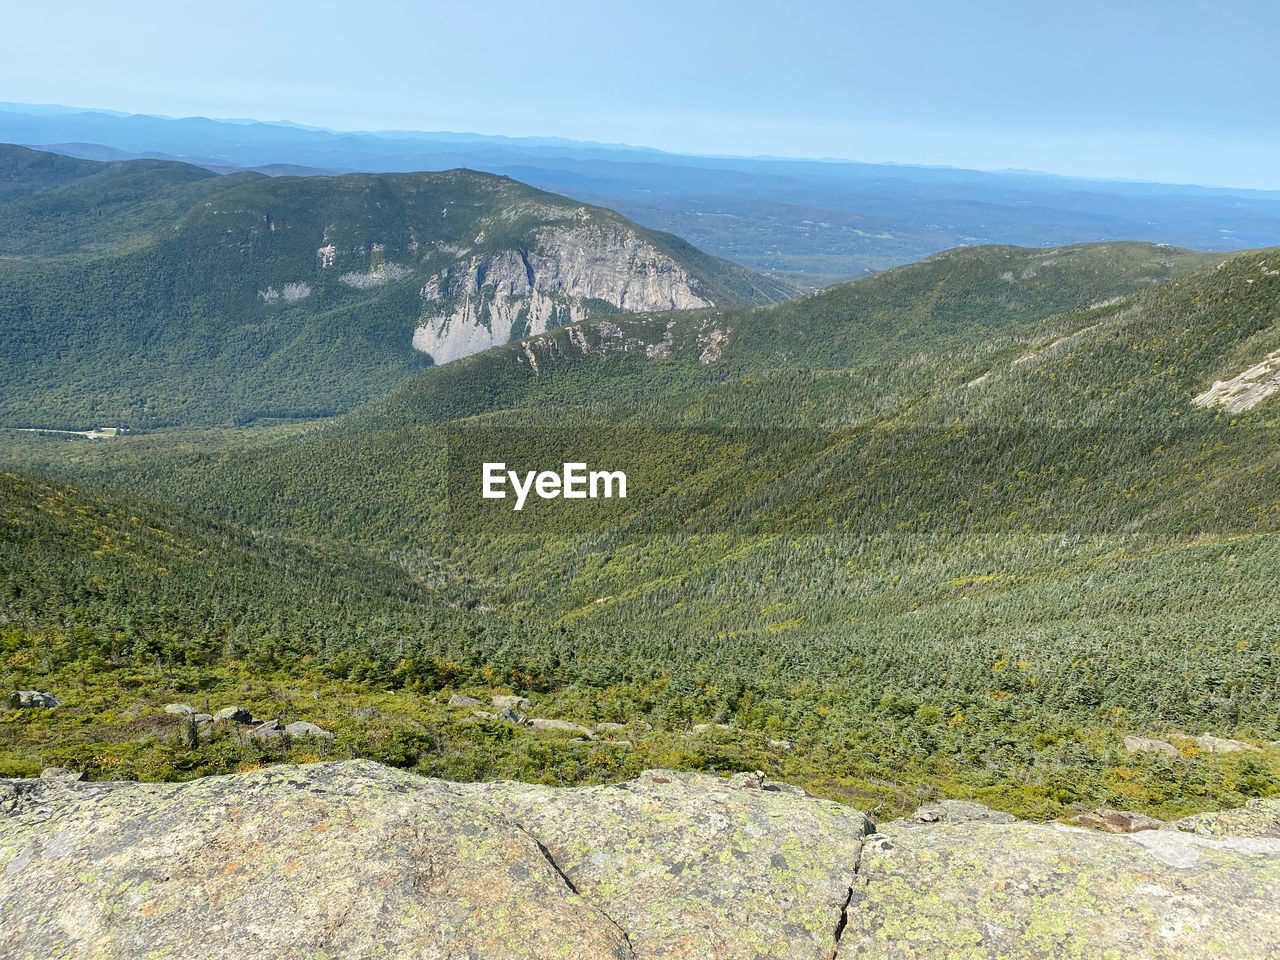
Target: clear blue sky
point(1175, 90)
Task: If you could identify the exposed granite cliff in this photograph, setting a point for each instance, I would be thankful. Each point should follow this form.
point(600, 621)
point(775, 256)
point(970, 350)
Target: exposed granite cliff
point(488, 299)
point(357, 860)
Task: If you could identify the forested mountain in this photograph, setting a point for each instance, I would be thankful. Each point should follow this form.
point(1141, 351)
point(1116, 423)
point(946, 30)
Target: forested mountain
point(969, 522)
point(813, 221)
point(148, 292)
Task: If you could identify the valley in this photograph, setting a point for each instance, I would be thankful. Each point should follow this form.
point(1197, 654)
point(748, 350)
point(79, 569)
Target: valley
point(578, 481)
point(957, 529)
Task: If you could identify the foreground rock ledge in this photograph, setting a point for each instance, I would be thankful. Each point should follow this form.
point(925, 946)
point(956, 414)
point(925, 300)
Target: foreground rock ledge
point(354, 860)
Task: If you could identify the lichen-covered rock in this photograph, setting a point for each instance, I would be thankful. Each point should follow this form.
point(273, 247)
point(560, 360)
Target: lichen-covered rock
point(694, 866)
point(339, 860)
point(233, 715)
point(180, 709)
point(461, 700)
point(982, 890)
point(28, 699)
point(508, 715)
point(1257, 818)
point(353, 859)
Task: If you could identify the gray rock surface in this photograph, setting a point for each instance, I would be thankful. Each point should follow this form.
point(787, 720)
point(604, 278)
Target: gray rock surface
point(60, 773)
point(460, 700)
point(233, 715)
point(301, 728)
point(267, 730)
point(1025, 890)
point(180, 709)
point(1212, 744)
point(1117, 821)
point(28, 699)
point(960, 811)
point(708, 727)
point(1257, 818)
point(357, 860)
point(479, 300)
point(1149, 745)
point(508, 715)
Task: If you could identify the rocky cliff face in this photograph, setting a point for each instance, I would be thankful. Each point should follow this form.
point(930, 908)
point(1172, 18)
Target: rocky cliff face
point(357, 860)
point(488, 299)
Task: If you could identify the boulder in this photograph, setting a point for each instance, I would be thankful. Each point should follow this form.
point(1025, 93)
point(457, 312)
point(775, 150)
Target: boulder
point(233, 715)
point(610, 727)
point(785, 746)
point(301, 728)
point(28, 699)
point(508, 715)
point(540, 723)
point(458, 700)
point(267, 730)
point(203, 719)
point(1149, 745)
point(60, 773)
point(1211, 744)
point(180, 709)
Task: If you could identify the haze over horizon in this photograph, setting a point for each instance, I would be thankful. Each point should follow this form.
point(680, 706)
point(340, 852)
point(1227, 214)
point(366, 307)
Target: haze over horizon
point(1178, 99)
point(618, 144)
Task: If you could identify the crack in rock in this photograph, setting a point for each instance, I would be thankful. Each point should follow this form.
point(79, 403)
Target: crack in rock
point(572, 887)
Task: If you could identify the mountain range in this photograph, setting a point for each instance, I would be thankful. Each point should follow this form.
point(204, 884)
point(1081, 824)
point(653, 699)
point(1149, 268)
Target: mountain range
point(807, 221)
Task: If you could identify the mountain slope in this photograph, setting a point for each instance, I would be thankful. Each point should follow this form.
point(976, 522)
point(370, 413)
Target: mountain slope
point(942, 525)
point(150, 292)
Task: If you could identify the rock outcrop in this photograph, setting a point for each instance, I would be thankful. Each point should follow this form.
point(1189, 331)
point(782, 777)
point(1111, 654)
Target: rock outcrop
point(353, 859)
point(30, 699)
point(1245, 390)
point(488, 299)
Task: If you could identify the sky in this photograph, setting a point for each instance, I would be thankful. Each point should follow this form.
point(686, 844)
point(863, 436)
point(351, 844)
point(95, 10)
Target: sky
point(1177, 91)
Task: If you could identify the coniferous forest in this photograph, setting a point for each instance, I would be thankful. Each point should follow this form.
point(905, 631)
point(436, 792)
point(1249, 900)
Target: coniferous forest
point(956, 529)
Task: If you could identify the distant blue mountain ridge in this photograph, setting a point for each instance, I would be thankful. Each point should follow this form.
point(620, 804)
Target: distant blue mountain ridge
point(811, 221)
